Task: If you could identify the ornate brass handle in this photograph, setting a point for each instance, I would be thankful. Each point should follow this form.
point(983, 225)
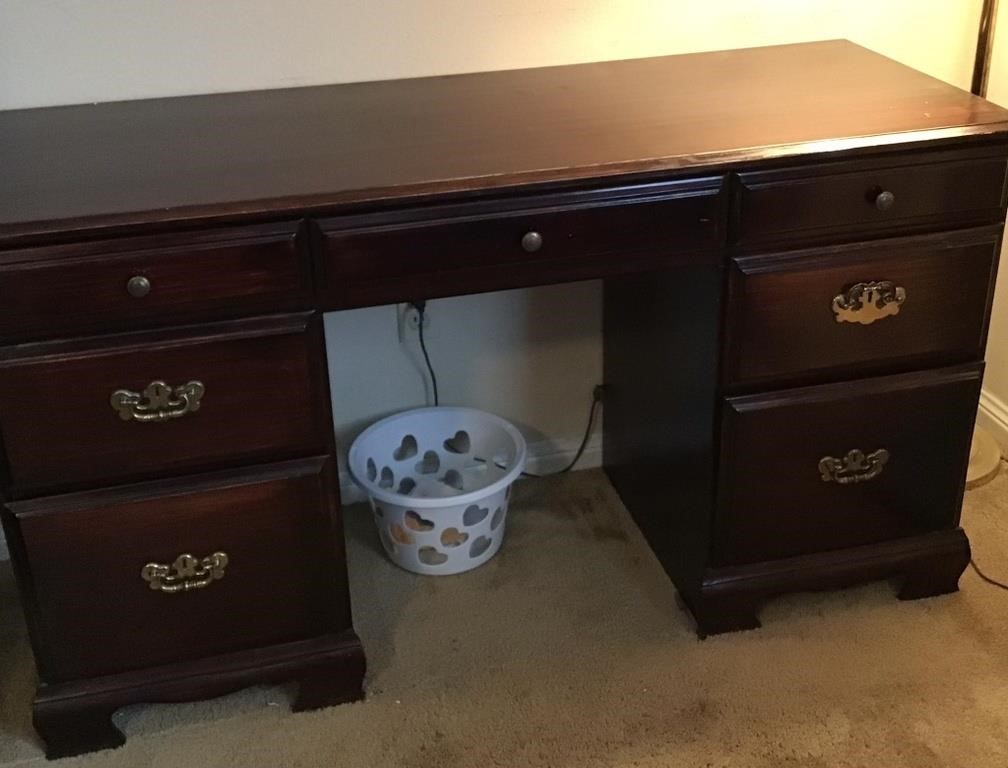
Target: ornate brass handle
point(186, 573)
point(855, 467)
point(865, 303)
point(158, 401)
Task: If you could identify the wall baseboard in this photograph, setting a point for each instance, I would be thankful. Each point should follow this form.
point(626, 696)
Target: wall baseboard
point(543, 457)
point(993, 416)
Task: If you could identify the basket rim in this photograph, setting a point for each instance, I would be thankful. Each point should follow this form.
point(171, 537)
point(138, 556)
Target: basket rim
point(415, 502)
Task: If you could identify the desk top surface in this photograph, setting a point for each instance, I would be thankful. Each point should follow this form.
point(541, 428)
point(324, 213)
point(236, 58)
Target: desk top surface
point(231, 156)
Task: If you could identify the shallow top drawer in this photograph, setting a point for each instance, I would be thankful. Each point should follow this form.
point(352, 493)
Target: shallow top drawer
point(809, 204)
point(141, 282)
point(467, 248)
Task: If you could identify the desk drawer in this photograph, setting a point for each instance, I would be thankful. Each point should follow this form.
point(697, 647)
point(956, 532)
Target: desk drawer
point(858, 306)
point(141, 282)
point(449, 250)
point(133, 406)
point(97, 602)
point(810, 205)
point(828, 467)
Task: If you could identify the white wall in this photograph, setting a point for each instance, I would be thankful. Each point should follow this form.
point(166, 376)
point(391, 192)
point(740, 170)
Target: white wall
point(70, 51)
point(533, 355)
point(994, 400)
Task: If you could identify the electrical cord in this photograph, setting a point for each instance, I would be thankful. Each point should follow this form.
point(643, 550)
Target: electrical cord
point(421, 307)
point(985, 577)
point(596, 401)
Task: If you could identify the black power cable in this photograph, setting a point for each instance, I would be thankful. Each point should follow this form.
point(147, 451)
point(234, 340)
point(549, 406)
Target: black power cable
point(596, 401)
point(985, 577)
point(421, 307)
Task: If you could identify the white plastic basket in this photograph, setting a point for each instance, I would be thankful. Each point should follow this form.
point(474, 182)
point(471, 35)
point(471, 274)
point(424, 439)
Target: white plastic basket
point(439, 481)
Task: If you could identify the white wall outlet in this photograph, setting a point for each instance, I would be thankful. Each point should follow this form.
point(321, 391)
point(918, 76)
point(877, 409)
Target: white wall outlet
point(408, 323)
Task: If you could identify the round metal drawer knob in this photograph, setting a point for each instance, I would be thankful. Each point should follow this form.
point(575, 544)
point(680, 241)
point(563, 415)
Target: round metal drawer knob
point(884, 200)
point(531, 242)
point(138, 286)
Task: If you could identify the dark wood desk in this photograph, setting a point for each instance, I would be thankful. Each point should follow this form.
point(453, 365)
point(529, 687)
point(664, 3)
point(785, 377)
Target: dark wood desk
point(798, 245)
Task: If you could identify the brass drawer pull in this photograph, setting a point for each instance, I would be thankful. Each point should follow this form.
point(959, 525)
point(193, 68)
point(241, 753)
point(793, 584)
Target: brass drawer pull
point(158, 401)
point(855, 467)
point(185, 573)
point(865, 303)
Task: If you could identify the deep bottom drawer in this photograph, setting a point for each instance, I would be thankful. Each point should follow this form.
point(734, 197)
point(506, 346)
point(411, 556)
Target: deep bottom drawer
point(150, 574)
point(822, 468)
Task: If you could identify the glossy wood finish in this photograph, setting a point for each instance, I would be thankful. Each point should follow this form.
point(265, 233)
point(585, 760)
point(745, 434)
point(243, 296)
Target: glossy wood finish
point(781, 323)
point(76, 288)
point(772, 501)
point(658, 175)
point(264, 400)
point(812, 204)
point(383, 258)
point(146, 164)
point(94, 614)
point(76, 717)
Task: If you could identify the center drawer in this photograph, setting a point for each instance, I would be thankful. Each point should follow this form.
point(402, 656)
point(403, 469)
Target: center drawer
point(131, 406)
point(150, 574)
point(839, 465)
point(466, 248)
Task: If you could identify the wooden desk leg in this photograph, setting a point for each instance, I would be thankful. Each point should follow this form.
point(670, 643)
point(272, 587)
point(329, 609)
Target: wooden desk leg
point(937, 574)
point(72, 727)
point(76, 717)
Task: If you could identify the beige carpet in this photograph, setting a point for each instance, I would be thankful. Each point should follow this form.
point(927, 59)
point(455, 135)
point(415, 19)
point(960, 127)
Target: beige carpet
point(567, 651)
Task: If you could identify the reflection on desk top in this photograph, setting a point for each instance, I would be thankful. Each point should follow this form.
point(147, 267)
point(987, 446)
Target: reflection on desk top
point(317, 149)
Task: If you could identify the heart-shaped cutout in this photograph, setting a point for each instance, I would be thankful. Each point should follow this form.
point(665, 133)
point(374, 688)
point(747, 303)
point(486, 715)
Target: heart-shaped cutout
point(399, 534)
point(387, 479)
point(460, 443)
point(497, 518)
point(430, 464)
point(430, 556)
point(479, 546)
point(407, 449)
point(453, 479)
point(453, 537)
point(416, 523)
point(386, 541)
point(406, 486)
point(474, 514)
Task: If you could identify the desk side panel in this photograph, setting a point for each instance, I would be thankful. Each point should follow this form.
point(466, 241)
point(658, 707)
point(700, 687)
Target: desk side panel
point(661, 335)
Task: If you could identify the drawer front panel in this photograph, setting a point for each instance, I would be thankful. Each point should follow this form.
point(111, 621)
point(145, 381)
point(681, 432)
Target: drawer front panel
point(793, 481)
point(805, 205)
point(142, 282)
point(108, 589)
point(133, 406)
point(465, 249)
point(861, 305)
